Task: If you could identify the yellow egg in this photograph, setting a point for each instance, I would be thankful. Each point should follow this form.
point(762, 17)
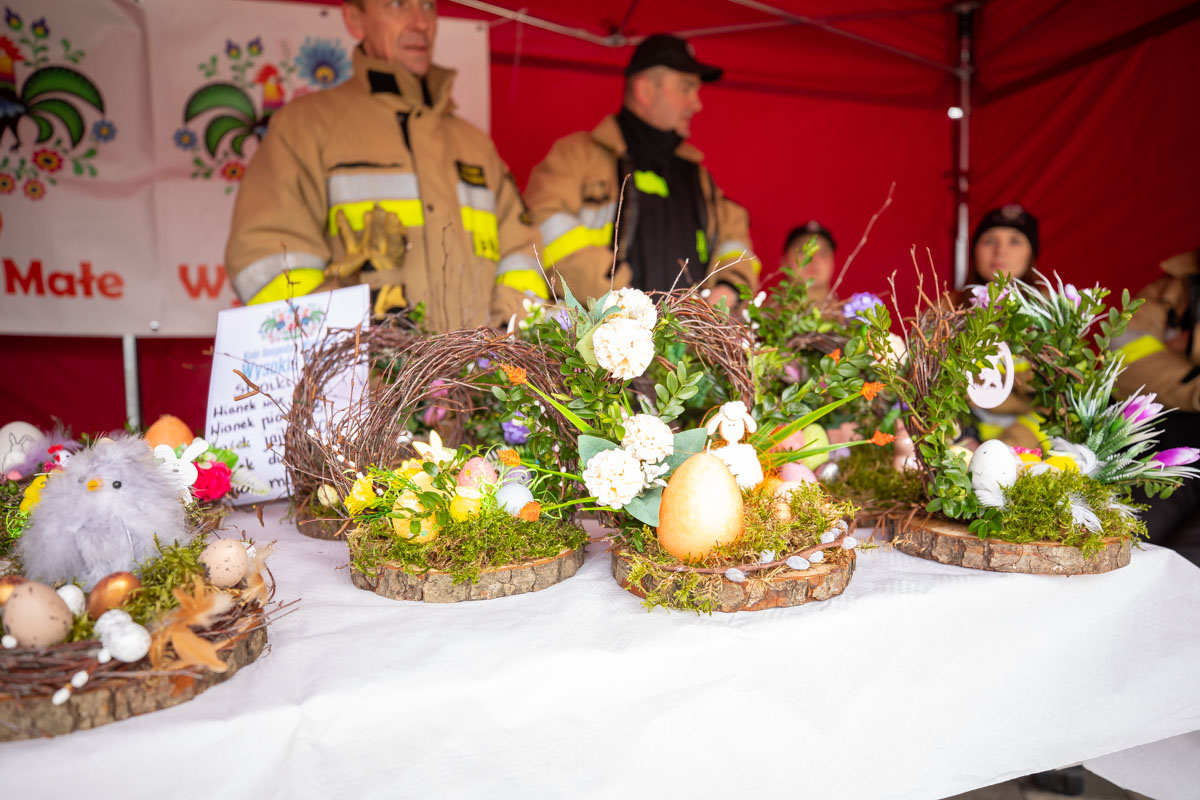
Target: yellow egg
point(420, 477)
point(36, 616)
point(463, 508)
point(409, 502)
point(701, 508)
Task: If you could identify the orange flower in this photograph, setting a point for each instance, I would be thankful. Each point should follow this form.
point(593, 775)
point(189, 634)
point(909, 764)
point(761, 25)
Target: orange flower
point(509, 458)
point(530, 511)
point(836, 355)
point(880, 438)
point(516, 375)
point(871, 389)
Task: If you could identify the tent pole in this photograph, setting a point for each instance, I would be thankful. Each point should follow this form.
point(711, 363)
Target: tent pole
point(133, 401)
point(965, 71)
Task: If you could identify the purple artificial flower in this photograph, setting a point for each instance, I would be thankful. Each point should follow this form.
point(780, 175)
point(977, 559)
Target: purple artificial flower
point(979, 296)
point(515, 432)
point(1072, 294)
point(563, 318)
point(859, 303)
point(483, 363)
point(1176, 457)
point(1141, 408)
point(791, 373)
point(435, 414)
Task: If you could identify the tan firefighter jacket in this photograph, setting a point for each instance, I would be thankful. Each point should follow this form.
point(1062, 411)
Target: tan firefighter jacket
point(373, 140)
point(573, 196)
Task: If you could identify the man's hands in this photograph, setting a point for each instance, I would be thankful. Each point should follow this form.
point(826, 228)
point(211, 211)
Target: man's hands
point(380, 242)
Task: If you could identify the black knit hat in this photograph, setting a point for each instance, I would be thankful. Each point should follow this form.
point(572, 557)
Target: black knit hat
point(806, 231)
point(1012, 215)
point(665, 50)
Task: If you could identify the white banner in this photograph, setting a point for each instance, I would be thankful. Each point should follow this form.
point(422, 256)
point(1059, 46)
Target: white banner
point(124, 132)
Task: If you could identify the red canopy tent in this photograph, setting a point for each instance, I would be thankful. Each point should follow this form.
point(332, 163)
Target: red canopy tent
point(1082, 110)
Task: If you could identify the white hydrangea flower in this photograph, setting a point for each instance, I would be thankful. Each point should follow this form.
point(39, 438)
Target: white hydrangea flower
point(654, 473)
point(742, 460)
point(614, 477)
point(647, 438)
point(623, 347)
point(635, 305)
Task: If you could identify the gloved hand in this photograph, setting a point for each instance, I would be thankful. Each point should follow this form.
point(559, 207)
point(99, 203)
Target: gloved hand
point(380, 242)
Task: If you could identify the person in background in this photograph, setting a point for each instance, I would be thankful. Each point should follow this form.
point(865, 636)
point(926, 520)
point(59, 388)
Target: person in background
point(820, 268)
point(672, 212)
point(378, 182)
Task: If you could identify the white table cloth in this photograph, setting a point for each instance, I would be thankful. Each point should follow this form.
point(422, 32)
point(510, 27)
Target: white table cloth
point(920, 681)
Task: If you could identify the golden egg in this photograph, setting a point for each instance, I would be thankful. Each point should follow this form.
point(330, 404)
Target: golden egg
point(7, 584)
point(36, 616)
point(111, 592)
point(701, 508)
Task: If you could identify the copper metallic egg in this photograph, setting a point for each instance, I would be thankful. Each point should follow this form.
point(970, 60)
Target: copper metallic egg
point(111, 592)
point(7, 584)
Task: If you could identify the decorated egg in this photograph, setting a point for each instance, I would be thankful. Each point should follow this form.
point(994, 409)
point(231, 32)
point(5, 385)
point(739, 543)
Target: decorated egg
point(784, 490)
point(126, 641)
point(475, 472)
point(7, 584)
point(815, 436)
point(512, 497)
point(797, 472)
point(168, 430)
point(72, 595)
point(963, 451)
point(521, 475)
point(16, 440)
point(993, 467)
point(111, 592)
point(413, 470)
point(782, 510)
point(793, 442)
point(327, 496)
point(112, 618)
point(225, 562)
point(36, 616)
point(701, 508)
point(829, 472)
point(409, 502)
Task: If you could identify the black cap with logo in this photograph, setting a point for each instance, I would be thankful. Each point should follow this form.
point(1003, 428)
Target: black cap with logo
point(806, 232)
point(665, 50)
point(1009, 216)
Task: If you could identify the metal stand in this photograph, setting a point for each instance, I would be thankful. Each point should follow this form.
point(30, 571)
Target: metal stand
point(133, 400)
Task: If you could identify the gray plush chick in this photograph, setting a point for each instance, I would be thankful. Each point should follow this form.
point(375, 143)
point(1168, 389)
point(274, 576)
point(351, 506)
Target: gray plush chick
point(100, 515)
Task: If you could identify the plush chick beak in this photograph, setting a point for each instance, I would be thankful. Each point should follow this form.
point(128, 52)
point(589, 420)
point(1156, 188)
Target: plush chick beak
point(93, 484)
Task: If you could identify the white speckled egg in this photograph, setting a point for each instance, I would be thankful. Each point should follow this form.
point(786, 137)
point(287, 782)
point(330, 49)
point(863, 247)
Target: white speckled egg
point(36, 616)
point(994, 466)
point(226, 562)
point(128, 642)
point(113, 618)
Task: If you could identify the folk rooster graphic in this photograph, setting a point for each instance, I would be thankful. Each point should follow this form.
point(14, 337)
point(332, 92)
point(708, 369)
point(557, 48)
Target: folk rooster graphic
point(42, 98)
point(239, 118)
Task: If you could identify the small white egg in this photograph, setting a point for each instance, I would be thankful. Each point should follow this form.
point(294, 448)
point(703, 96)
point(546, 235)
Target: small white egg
point(72, 595)
point(226, 562)
point(128, 642)
point(113, 618)
point(994, 466)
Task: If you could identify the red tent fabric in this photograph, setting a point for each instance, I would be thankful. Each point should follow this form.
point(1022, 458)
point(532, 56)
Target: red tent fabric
point(1083, 110)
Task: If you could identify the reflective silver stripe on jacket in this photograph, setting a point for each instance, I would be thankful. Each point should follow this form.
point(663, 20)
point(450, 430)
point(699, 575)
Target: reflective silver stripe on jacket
point(734, 247)
point(596, 217)
point(361, 187)
point(477, 197)
point(517, 262)
point(556, 225)
point(250, 280)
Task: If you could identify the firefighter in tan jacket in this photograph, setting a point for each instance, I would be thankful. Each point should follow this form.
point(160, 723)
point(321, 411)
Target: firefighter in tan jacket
point(377, 182)
point(672, 209)
point(1162, 344)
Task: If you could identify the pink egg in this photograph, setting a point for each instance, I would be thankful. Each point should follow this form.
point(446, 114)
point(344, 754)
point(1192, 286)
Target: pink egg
point(796, 471)
point(475, 472)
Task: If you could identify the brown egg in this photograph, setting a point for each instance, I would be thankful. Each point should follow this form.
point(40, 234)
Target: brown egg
point(7, 584)
point(701, 508)
point(226, 562)
point(36, 616)
point(168, 430)
point(782, 510)
point(111, 592)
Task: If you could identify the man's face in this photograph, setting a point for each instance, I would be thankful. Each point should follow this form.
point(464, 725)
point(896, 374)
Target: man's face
point(820, 269)
point(1004, 251)
point(667, 99)
point(398, 31)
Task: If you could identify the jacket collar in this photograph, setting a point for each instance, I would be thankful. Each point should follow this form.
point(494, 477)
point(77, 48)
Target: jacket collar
point(379, 77)
point(608, 135)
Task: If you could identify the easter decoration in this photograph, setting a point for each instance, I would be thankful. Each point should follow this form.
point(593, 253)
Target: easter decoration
point(427, 518)
point(1063, 508)
point(703, 521)
point(115, 601)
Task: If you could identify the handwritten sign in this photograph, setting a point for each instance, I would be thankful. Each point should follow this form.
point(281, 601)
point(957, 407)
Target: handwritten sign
point(267, 343)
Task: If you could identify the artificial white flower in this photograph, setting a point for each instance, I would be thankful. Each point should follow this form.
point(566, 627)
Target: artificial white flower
point(742, 460)
point(758, 299)
point(647, 438)
point(614, 477)
point(623, 347)
point(733, 420)
point(433, 450)
point(654, 473)
point(634, 304)
point(1081, 454)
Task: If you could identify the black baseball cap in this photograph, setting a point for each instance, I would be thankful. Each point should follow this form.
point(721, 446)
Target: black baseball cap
point(665, 50)
point(1012, 215)
point(806, 232)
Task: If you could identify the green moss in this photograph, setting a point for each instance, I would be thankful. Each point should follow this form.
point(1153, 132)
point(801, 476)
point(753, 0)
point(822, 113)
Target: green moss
point(176, 565)
point(867, 478)
point(813, 513)
point(15, 519)
point(1038, 509)
point(464, 549)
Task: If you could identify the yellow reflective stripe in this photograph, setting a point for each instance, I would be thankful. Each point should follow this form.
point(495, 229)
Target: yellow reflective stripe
point(1140, 348)
point(650, 183)
point(577, 239)
point(524, 280)
point(702, 246)
point(1033, 423)
point(287, 285)
point(409, 211)
point(734, 255)
point(485, 233)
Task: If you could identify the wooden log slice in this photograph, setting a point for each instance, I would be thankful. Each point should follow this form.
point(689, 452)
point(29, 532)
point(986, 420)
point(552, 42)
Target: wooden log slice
point(113, 701)
point(317, 527)
point(439, 587)
point(790, 588)
point(951, 543)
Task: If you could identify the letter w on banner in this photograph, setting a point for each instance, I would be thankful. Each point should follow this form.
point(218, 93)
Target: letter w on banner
point(133, 124)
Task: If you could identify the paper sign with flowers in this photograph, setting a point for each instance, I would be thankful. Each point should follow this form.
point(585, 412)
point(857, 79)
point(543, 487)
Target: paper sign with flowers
point(246, 86)
point(64, 107)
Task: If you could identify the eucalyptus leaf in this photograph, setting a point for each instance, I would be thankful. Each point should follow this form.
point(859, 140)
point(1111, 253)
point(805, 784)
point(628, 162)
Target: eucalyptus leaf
point(644, 507)
point(591, 445)
point(687, 444)
point(586, 349)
